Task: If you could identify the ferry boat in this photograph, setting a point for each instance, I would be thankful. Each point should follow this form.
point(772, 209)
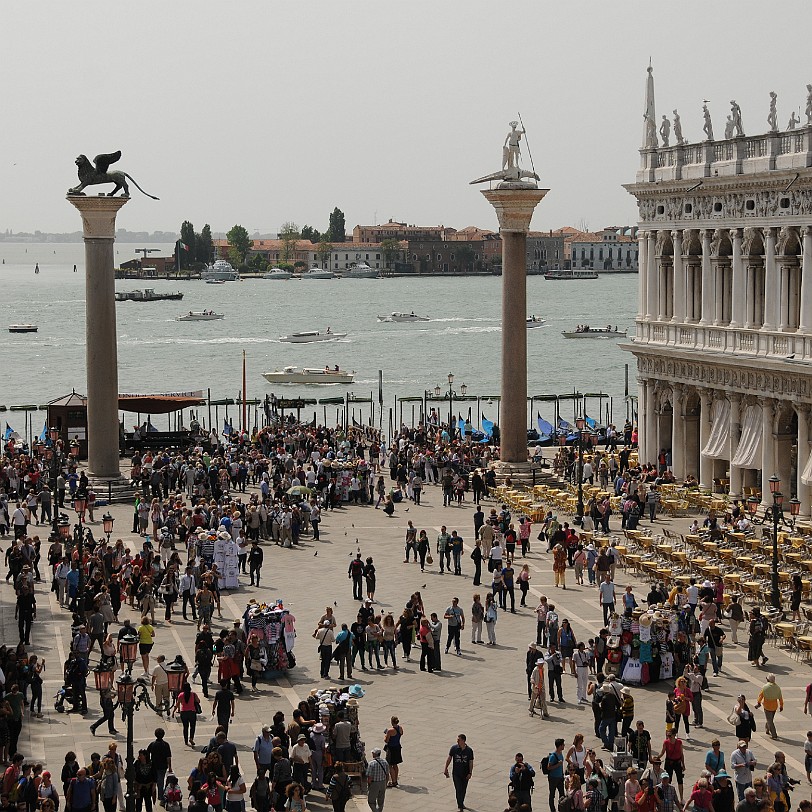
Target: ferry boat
point(277, 273)
point(534, 322)
point(201, 315)
point(306, 375)
point(309, 336)
point(220, 271)
point(147, 295)
point(585, 331)
point(318, 273)
point(23, 328)
point(564, 274)
point(403, 317)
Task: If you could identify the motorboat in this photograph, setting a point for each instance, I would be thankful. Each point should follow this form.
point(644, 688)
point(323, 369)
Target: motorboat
point(215, 281)
point(220, 271)
point(585, 331)
point(570, 274)
point(534, 322)
point(403, 317)
point(201, 315)
point(147, 295)
point(361, 271)
point(305, 375)
point(277, 273)
point(318, 273)
point(311, 335)
point(23, 328)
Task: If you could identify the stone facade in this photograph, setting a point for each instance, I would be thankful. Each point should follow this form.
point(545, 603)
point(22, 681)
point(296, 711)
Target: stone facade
point(724, 325)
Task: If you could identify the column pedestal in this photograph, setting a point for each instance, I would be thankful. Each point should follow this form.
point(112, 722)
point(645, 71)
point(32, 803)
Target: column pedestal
point(514, 204)
point(99, 232)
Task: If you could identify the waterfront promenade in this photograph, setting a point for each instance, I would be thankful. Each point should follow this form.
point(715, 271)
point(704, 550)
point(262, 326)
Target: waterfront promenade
point(481, 693)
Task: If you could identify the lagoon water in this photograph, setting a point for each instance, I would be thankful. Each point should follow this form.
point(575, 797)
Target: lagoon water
point(159, 354)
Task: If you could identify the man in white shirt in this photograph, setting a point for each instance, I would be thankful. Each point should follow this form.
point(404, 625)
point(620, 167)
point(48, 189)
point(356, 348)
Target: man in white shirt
point(300, 758)
point(606, 597)
point(160, 685)
point(188, 589)
point(18, 522)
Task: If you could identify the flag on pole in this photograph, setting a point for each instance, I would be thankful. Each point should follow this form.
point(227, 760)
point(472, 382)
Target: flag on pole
point(10, 434)
point(183, 245)
point(44, 433)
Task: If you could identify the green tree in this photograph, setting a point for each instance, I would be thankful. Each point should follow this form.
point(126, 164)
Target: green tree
point(390, 248)
point(323, 252)
point(258, 263)
point(310, 233)
point(289, 235)
point(204, 246)
point(465, 256)
point(337, 230)
point(240, 243)
point(187, 237)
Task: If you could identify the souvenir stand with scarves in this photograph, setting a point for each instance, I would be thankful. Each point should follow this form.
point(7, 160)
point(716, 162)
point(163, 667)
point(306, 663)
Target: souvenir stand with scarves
point(226, 557)
point(275, 628)
point(639, 649)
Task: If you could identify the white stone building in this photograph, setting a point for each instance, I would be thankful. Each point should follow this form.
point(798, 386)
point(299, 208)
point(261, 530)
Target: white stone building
point(724, 326)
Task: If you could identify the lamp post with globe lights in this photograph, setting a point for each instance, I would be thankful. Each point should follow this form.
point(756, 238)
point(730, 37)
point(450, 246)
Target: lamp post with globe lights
point(450, 394)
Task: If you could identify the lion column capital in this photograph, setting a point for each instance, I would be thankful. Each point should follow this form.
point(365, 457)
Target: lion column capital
point(98, 215)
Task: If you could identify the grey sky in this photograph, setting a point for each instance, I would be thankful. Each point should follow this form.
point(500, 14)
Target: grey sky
point(261, 112)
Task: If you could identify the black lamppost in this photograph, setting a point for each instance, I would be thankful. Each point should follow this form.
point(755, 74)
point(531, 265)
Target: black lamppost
point(579, 510)
point(57, 459)
point(450, 394)
point(126, 700)
point(107, 524)
point(80, 504)
point(775, 512)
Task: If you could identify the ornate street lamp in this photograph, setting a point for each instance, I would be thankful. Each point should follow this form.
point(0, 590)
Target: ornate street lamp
point(126, 699)
point(103, 675)
point(80, 505)
point(128, 650)
point(176, 674)
point(107, 524)
point(579, 511)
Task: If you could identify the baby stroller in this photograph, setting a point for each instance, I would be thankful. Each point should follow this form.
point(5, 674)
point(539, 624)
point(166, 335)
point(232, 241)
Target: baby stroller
point(63, 695)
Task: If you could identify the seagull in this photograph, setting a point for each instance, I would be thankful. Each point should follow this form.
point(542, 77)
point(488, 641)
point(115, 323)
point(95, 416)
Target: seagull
point(316, 553)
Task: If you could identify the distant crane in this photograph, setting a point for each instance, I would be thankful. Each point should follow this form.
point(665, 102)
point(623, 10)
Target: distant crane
point(146, 251)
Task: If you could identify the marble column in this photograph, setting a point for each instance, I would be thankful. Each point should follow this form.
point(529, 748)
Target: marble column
point(733, 444)
point(678, 431)
point(679, 279)
point(642, 272)
point(770, 282)
point(642, 412)
point(652, 449)
point(802, 410)
point(99, 232)
point(738, 286)
point(705, 463)
point(806, 281)
point(783, 296)
point(767, 448)
point(653, 289)
point(707, 279)
point(514, 209)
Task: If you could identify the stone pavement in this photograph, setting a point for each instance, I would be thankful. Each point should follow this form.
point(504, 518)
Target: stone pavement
point(481, 693)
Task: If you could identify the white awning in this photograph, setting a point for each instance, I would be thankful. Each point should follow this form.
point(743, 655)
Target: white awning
point(806, 476)
point(748, 453)
point(717, 445)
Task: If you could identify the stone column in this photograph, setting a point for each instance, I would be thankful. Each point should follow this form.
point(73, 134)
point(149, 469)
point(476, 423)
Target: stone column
point(783, 297)
point(514, 209)
point(678, 431)
point(733, 444)
point(642, 272)
point(802, 410)
point(652, 448)
point(679, 279)
point(770, 282)
point(707, 279)
point(653, 289)
point(705, 463)
point(99, 230)
point(806, 281)
point(642, 416)
point(737, 288)
point(767, 448)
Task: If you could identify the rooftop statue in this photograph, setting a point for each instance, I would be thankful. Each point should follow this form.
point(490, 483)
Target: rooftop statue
point(511, 173)
point(707, 127)
point(736, 115)
point(93, 174)
point(729, 128)
point(678, 130)
point(665, 131)
point(794, 121)
point(772, 116)
point(809, 104)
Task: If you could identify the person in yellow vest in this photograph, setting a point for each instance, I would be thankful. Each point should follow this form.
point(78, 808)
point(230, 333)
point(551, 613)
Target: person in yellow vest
point(773, 700)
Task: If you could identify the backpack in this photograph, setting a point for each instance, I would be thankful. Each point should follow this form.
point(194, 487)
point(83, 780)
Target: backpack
point(612, 787)
point(18, 791)
point(565, 804)
point(545, 764)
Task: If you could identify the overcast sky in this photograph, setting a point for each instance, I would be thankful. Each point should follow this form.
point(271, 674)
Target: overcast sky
point(261, 112)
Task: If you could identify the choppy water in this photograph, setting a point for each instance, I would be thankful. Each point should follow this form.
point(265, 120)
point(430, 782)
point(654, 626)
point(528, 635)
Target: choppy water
point(158, 353)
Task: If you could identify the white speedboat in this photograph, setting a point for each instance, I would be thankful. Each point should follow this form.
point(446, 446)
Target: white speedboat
point(220, 271)
point(361, 271)
point(403, 317)
point(295, 375)
point(201, 315)
point(569, 274)
point(318, 273)
point(23, 328)
point(311, 335)
point(534, 322)
point(277, 273)
point(592, 332)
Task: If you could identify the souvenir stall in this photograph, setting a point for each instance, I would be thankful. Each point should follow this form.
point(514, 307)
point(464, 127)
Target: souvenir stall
point(326, 704)
point(639, 649)
point(226, 557)
point(275, 627)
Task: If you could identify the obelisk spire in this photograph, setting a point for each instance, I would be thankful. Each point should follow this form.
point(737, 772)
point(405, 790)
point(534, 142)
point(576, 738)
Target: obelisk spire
point(649, 116)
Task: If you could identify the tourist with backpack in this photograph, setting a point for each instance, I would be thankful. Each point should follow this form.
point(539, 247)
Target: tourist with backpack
point(553, 768)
